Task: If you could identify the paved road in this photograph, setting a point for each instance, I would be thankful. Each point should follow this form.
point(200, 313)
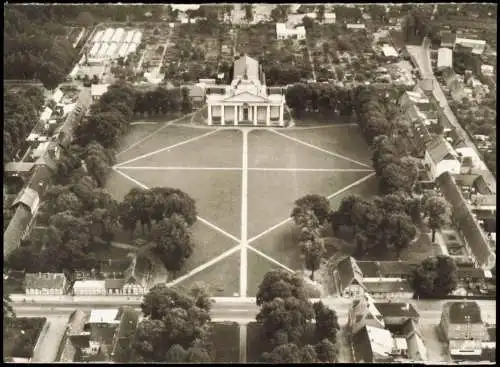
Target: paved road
point(48, 345)
point(237, 310)
point(421, 55)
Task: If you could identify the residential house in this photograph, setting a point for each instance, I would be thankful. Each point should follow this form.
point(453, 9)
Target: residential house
point(487, 70)
point(462, 321)
point(329, 18)
point(477, 46)
point(410, 331)
point(396, 313)
point(104, 316)
point(347, 277)
point(445, 59)
point(373, 345)
point(53, 284)
point(362, 313)
point(466, 223)
point(440, 157)
point(389, 51)
point(465, 350)
point(473, 182)
point(457, 90)
point(282, 32)
point(89, 288)
point(197, 95)
point(388, 288)
point(447, 39)
point(132, 280)
point(97, 91)
point(397, 270)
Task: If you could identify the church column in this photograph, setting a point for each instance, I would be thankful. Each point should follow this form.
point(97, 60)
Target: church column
point(268, 115)
point(282, 107)
point(222, 121)
point(254, 111)
point(209, 114)
point(235, 115)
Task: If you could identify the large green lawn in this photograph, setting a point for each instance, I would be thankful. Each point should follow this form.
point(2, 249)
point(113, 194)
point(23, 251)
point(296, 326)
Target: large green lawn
point(342, 139)
point(217, 193)
point(222, 278)
point(269, 150)
point(215, 149)
point(149, 138)
point(271, 194)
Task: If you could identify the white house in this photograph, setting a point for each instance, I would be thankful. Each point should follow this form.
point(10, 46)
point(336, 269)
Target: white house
point(53, 284)
point(330, 18)
point(440, 157)
point(356, 27)
point(247, 99)
point(89, 288)
point(389, 51)
point(97, 90)
point(477, 46)
point(282, 32)
point(487, 70)
point(104, 316)
point(445, 59)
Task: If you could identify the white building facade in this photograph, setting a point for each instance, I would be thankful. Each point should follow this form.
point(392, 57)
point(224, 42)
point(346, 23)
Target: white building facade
point(246, 100)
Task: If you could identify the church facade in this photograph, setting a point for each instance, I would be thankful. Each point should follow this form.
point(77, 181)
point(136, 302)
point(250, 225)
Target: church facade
point(246, 101)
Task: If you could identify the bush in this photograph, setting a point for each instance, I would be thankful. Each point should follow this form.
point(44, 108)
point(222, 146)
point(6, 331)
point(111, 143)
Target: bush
point(18, 344)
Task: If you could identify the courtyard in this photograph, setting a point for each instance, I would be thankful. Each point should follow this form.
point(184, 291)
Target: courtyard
point(244, 181)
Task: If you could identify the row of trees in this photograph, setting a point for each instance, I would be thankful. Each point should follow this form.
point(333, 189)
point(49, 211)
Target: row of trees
point(21, 113)
point(286, 316)
point(175, 328)
point(36, 47)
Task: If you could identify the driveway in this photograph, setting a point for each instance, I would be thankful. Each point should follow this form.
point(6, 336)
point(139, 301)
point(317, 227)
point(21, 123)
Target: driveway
point(50, 340)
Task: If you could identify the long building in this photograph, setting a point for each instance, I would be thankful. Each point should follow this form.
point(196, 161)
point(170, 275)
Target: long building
point(118, 35)
point(94, 49)
point(129, 36)
point(102, 50)
point(107, 35)
point(122, 52)
point(111, 51)
point(137, 37)
point(98, 36)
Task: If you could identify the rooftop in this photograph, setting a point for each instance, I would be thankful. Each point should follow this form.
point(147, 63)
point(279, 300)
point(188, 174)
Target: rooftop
point(45, 280)
point(464, 312)
point(390, 309)
point(106, 316)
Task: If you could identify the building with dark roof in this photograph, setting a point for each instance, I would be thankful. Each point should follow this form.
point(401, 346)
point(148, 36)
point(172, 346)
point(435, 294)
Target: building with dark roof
point(347, 278)
point(373, 345)
point(462, 321)
point(395, 313)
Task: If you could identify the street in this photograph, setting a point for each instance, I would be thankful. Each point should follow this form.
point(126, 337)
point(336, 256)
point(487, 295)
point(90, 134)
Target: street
point(236, 309)
point(421, 56)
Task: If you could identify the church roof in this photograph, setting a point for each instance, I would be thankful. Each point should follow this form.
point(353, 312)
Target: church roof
point(248, 65)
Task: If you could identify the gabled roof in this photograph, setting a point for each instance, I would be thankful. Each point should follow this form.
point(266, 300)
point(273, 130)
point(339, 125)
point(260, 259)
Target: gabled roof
point(464, 312)
point(45, 280)
point(106, 316)
point(372, 345)
point(246, 97)
point(28, 197)
point(395, 309)
point(439, 149)
point(136, 273)
point(386, 269)
point(348, 272)
point(15, 230)
point(246, 65)
point(18, 167)
point(473, 233)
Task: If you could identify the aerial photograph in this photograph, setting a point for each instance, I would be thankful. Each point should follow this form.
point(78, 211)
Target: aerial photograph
point(250, 183)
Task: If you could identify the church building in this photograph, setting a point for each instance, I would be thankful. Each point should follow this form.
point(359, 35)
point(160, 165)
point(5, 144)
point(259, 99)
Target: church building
point(246, 101)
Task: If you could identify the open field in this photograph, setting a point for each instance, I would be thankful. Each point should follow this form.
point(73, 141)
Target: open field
point(225, 337)
point(222, 279)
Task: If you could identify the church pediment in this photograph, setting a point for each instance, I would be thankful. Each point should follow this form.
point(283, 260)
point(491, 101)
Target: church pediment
point(246, 97)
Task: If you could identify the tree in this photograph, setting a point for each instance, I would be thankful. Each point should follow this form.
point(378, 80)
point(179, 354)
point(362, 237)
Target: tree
point(285, 320)
point(327, 324)
point(85, 19)
point(173, 242)
point(296, 97)
point(326, 351)
point(186, 101)
point(8, 310)
point(399, 231)
point(399, 175)
point(313, 251)
point(438, 212)
point(173, 322)
point(291, 353)
point(98, 162)
point(308, 22)
point(279, 283)
point(317, 203)
point(248, 12)
point(320, 13)
point(435, 277)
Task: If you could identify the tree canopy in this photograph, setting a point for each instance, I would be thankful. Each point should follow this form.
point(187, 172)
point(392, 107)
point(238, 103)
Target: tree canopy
point(435, 277)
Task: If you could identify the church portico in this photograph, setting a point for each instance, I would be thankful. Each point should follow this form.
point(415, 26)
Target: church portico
point(246, 101)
